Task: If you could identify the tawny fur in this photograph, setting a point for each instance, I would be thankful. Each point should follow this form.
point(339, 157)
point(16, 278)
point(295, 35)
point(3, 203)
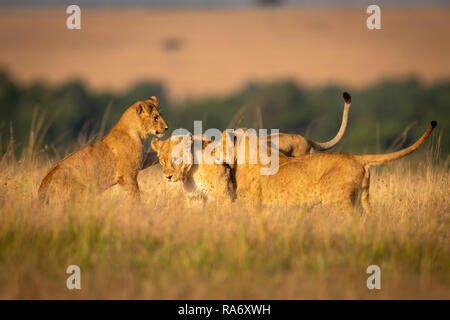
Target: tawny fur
point(295, 145)
point(201, 182)
point(336, 180)
point(291, 145)
point(115, 159)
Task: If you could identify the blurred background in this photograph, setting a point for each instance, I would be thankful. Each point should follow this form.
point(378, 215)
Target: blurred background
point(231, 63)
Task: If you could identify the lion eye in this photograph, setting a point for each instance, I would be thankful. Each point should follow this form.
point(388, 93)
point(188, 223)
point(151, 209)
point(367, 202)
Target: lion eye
point(156, 118)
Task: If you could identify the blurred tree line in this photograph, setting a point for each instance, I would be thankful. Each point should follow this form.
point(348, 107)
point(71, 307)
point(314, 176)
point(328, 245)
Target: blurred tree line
point(71, 115)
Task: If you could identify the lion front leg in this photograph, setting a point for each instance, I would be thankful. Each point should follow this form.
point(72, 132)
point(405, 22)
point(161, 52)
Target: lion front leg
point(221, 188)
point(365, 193)
point(223, 192)
point(130, 185)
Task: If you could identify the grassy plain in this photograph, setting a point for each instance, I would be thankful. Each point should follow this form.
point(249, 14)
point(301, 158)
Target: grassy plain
point(161, 249)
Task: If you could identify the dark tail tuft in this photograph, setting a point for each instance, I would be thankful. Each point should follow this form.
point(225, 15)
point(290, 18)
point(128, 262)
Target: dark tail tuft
point(433, 124)
point(347, 97)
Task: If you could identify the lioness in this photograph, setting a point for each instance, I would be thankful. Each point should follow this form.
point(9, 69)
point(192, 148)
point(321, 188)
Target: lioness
point(116, 158)
point(336, 180)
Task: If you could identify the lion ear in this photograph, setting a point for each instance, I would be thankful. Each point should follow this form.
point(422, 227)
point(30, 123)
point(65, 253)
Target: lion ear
point(229, 146)
point(139, 109)
point(156, 144)
point(152, 100)
point(188, 139)
point(186, 144)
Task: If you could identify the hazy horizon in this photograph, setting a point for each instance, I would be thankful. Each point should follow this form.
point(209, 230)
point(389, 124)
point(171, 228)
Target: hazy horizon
point(222, 3)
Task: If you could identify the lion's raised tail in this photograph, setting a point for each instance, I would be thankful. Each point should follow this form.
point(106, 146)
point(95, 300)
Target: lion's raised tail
point(369, 159)
point(322, 146)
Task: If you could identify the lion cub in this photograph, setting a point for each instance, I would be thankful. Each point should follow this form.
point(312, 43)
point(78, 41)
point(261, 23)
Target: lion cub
point(288, 144)
point(295, 145)
point(335, 180)
point(201, 182)
point(116, 158)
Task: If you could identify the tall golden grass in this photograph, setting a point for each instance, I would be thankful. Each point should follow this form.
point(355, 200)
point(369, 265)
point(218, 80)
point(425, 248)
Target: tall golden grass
point(161, 248)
